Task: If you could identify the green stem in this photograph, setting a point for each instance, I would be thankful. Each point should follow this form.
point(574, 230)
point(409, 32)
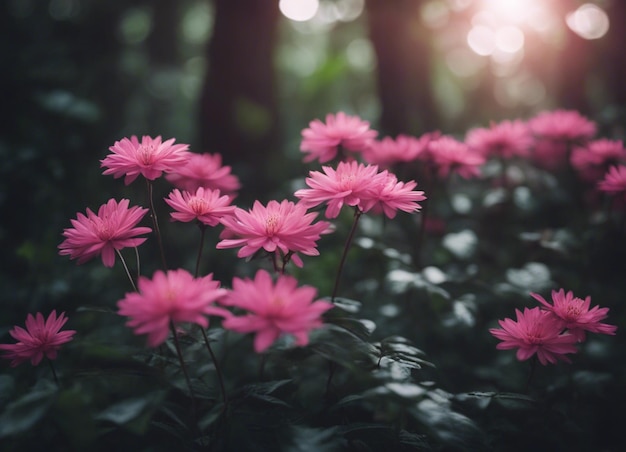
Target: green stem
point(218, 371)
point(155, 222)
point(346, 248)
point(183, 366)
point(202, 227)
point(130, 278)
point(54, 373)
point(533, 366)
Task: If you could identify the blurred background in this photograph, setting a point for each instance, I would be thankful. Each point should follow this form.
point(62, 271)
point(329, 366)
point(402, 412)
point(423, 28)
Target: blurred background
point(243, 77)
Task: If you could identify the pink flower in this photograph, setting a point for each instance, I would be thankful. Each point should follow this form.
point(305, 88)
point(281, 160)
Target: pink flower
point(322, 140)
point(506, 139)
point(563, 125)
point(556, 133)
point(113, 228)
point(351, 183)
point(535, 332)
point(206, 206)
point(403, 148)
point(282, 227)
point(40, 338)
point(393, 195)
point(593, 160)
point(204, 170)
point(614, 181)
point(575, 315)
point(274, 309)
point(150, 158)
point(451, 156)
point(170, 298)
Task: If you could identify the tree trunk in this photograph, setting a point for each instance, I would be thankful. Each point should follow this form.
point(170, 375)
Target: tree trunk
point(238, 112)
point(403, 51)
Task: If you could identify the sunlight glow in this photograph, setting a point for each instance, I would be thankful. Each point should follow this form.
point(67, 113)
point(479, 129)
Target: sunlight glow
point(588, 21)
point(299, 10)
point(509, 39)
point(481, 40)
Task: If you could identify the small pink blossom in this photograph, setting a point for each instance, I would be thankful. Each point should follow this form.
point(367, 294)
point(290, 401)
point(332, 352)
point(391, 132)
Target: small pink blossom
point(204, 205)
point(535, 332)
point(150, 158)
point(448, 156)
point(575, 314)
point(403, 148)
point(392, 195)
point(506, 139)
point(614, 181)
point(204, 170)
point(556, 133)
point(282, 227)
point(170, 298)
point(40, 338)
point(593, 160)
point(352, 183)
point(274, 309)
point(113, 228)
point(321, 141)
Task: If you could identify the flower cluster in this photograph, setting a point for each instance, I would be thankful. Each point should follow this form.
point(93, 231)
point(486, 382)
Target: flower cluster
point(551, 331)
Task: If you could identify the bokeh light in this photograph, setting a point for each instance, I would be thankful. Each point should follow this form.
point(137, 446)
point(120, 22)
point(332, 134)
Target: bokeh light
point(588, 21)
point(299, 10)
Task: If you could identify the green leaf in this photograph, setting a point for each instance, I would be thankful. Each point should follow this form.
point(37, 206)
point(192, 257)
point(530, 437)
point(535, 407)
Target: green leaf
point(134, 413)
point(24, 413)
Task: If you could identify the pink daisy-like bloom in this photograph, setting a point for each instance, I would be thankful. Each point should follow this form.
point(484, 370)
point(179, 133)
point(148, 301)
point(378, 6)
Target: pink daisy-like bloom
point(575, 314)
point(204, 205)
point(352, 183)
point(283, 227)
point(322, 141)
point(506, 139)
point(556, 133)
point(113, 228)
point(593, 160)
point(150, 158)
point(614, 181)
point(170, 298)
point(274, 309)
point(40, 338)
point(535, 332)
point(204, 170)
point(393, 195)
point(451, 156)
point(403, 148)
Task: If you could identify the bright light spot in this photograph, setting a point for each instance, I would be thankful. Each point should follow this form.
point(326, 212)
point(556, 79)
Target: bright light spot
point(506, 64)
point(486, 18)
point(348, 10)
point(511, 10)
point(521, 90)
point(459, 5)
point(481, 40)
point(435, 14)
point(299, 10)
point(464, 63)
point(588, 21)
point(360, 55)
point(509, 39)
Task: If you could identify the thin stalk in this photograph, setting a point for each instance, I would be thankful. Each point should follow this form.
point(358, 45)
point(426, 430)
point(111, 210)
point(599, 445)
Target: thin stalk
point(183, 366)
point(202, 227)
point(130, 278)
point(346, 248)
point(137, 262)
point(533, 366)
point(54, 373)
point(332, 366)
point(155, 223)
point(218, 371)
